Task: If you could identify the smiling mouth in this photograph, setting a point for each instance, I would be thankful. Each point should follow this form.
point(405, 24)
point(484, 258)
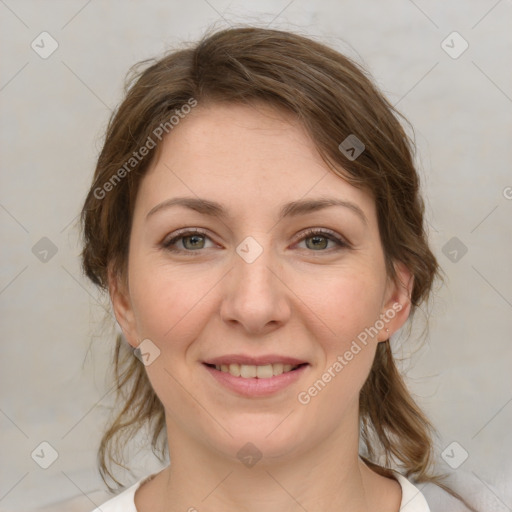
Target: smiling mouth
point(248, 371)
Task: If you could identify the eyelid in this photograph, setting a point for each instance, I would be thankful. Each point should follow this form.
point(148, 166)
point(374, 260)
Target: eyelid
point(342, 242)
point(325, 232)
point(182, 233)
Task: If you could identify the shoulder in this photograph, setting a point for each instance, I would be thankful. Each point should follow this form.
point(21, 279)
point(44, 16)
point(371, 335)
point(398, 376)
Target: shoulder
point(413, 499)
point(124, 501)
point(435, 499)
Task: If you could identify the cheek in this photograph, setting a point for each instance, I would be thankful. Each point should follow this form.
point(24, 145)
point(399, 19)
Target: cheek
point(348, 307)
point(171, 308)
point(168, 302)
point(347, 303)
point(343, 312)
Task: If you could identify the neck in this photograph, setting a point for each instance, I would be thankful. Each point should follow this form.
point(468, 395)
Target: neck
point(330, 477)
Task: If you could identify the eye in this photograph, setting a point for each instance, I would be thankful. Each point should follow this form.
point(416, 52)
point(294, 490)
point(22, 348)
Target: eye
point(191, 240)
point(320, 239)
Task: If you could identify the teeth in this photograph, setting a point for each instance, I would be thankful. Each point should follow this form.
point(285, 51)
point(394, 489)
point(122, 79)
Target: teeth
point(277, 368)
point(264, 372)
point(234, 369)
point(249, 371)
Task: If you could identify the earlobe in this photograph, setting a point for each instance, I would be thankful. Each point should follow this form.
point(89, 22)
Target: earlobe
point(121, 304)
point(397, 306)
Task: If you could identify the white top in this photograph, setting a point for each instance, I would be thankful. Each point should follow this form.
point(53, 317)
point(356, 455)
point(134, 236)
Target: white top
point(412, 498)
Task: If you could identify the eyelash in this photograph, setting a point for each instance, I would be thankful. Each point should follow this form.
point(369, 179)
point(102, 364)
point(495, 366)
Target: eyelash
point(309, 233)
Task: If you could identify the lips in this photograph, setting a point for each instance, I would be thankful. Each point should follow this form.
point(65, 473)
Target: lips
point(253, 360)
point(256, 380)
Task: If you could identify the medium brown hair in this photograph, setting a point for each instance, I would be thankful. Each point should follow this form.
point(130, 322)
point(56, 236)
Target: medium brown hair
point(333, 98)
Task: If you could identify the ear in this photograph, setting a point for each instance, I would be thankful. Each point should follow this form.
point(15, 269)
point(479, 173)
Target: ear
point(397, 301)
point(121, 303)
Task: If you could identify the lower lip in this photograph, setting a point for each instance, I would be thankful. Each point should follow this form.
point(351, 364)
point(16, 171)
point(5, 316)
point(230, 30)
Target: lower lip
point(256, 387)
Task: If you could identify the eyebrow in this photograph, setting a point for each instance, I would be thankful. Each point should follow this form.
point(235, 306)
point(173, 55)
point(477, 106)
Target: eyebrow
point(292, 209)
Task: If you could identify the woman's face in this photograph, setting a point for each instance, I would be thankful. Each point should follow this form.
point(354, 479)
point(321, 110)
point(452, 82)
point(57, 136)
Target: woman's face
point(227, 279)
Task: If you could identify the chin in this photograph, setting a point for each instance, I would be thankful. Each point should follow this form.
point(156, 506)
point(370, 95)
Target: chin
point(264, 437)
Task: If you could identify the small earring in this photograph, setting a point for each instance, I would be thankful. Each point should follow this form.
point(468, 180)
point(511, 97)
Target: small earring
point(387, 330)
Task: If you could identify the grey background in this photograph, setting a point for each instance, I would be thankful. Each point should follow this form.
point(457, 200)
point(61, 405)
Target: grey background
point(55, 348)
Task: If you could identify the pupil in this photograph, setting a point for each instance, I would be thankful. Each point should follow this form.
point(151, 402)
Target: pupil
point(317, 238)
point(194, 238)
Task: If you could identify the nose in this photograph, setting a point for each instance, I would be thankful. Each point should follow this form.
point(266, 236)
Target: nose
point(255, 296)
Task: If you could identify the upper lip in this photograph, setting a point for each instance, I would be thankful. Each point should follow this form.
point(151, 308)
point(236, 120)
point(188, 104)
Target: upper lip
point(253, 360)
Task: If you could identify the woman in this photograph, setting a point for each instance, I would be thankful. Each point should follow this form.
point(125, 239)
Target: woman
point(255, 216)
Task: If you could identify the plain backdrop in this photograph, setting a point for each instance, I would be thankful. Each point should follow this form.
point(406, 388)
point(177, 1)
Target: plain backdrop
point(55, 357)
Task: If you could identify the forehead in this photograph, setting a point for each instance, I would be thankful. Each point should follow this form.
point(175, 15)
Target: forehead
point(247, 156)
